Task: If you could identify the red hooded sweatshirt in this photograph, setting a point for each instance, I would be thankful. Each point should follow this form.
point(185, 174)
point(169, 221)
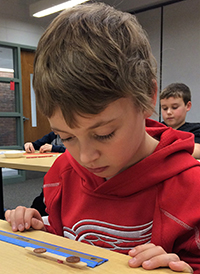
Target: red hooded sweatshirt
point(156, 200)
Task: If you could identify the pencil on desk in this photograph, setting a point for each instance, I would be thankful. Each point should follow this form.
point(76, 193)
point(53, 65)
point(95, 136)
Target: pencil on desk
point(41, 252)
point(39, 156)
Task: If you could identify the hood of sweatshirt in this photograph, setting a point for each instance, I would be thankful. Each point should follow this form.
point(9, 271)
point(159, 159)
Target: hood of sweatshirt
point(171, 157)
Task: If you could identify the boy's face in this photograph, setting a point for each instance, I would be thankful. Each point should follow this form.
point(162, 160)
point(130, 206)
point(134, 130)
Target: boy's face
point(109, 142)
point(174, 111)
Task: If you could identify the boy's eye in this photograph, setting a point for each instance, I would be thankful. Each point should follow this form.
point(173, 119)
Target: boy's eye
point(104, 137)
point(67, 139)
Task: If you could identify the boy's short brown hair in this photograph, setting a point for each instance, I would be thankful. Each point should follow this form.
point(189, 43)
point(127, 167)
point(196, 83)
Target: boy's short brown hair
point(176, 90)
point(90, 56)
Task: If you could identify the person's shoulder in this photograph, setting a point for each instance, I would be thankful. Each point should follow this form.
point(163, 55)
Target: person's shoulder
point(62, 161)
point(60, 166)
point(185, 179)
point(52, 134)
point(190, 127)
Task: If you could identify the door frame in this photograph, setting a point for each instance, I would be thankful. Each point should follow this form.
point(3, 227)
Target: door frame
point(18, 114)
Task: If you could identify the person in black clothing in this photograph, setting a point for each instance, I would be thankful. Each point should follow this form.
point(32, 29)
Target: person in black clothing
point(49, 143)
point(175, 102)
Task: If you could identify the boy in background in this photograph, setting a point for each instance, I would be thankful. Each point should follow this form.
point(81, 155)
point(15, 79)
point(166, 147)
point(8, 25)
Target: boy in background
point(175, 102)
point(121, 183)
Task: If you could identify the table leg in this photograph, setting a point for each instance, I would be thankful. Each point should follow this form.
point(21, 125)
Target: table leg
point(1, 196)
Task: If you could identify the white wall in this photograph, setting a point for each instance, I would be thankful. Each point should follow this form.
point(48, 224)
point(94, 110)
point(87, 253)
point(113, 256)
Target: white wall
point(151, 20)
point(181, 55)
point(16, 26)
point(130, 5)
point(181, 46)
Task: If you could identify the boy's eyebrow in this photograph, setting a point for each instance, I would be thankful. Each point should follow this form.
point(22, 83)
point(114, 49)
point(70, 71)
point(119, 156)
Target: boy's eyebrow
point(58, 130)
point(174, 104)
point(98, 124)
point(101, 123)
point(163, 105)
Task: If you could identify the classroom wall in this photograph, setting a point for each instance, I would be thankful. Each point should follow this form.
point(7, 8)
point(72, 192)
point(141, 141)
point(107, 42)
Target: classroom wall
point(181, 55)
point(130, 5)
point(181, 40)
point(181, 46)
point(151, 20)
point(16, 26)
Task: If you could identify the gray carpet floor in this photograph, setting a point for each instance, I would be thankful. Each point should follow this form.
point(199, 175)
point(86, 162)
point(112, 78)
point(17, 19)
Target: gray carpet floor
point(23, 193)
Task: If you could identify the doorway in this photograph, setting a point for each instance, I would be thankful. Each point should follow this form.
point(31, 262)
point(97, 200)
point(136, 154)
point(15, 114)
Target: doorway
point(36, 125)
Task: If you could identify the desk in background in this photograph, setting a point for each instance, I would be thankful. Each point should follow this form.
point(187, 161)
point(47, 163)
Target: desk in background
point(15, 260)
point(34, 164)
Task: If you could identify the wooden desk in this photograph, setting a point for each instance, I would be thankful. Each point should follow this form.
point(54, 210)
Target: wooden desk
point(15, 260)
point(23, 163)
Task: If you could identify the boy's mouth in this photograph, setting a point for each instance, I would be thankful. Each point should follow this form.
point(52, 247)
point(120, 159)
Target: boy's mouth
point(97, 170)
point(170, 118)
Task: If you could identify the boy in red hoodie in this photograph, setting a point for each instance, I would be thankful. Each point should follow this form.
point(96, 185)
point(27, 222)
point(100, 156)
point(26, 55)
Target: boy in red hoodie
point(125, 182)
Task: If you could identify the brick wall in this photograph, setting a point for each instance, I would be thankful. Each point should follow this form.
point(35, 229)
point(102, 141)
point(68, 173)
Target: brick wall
point(7, 104)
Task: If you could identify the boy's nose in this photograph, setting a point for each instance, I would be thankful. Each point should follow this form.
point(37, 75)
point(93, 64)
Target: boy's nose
point(169, 110)
point(88, 154)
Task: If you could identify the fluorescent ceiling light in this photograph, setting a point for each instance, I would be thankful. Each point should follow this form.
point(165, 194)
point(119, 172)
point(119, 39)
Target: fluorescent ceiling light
point(46, 7)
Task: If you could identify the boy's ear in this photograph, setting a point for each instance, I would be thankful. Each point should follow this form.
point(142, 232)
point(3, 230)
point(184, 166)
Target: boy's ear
point(188, 105)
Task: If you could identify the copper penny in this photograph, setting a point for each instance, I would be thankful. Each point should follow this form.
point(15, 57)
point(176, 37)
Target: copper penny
point(39, 250)
point(73, 259)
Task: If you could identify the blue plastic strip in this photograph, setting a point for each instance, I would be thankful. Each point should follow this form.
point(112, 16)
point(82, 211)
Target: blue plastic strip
point(16, 239)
